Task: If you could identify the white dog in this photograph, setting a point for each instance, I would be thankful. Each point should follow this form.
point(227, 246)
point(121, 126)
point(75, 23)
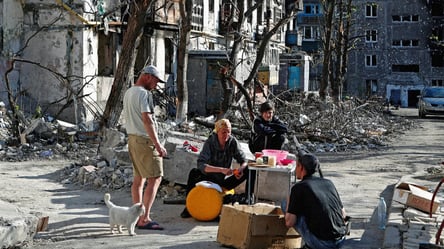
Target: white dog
point(123, 216)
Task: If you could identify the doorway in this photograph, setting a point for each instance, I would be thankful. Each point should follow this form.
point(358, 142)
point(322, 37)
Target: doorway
point(412, 98)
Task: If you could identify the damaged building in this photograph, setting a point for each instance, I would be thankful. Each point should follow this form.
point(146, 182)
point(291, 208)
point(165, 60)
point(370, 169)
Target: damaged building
point(60, 56)
point(400, 52)
point(395, 47)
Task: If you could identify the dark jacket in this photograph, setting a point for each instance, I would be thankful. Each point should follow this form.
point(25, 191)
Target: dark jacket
point(267, 134)
point(212, 154)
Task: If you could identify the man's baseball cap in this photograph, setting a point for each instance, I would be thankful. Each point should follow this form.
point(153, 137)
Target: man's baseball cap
point(309, 161)
point(153, 71)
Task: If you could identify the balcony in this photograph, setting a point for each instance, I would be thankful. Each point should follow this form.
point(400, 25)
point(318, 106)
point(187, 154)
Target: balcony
point(309, 19)
point(311, 46)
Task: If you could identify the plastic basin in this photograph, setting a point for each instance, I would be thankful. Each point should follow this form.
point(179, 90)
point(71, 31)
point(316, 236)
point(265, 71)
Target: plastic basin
point(279, 154)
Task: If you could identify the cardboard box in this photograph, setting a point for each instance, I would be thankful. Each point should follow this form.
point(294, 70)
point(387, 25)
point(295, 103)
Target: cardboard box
point(415, 196)
point(255, 227)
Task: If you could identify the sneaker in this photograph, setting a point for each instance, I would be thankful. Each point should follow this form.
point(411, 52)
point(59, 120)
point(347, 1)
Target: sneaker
point(185, 213)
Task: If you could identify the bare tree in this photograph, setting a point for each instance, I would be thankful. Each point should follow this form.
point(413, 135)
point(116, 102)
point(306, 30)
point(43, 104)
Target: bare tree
point(238, 39)
point(345, 16)
point(185, 8)
point(124, 73)
point(336, 46)
point(329, 7)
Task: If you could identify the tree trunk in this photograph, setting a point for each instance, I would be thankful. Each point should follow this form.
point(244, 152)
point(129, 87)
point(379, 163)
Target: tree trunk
point(346, 44)
point(328, 10)
point(124, 73)
point(336, 80)
point(182, 61)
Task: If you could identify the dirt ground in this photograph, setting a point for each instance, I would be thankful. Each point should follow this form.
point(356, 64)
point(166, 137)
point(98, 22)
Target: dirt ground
point(78, 217)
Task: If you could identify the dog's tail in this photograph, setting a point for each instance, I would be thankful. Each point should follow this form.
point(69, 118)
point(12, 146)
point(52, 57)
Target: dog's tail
point(107, 199)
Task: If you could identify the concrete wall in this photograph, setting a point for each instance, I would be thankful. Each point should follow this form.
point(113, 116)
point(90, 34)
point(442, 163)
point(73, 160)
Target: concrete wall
point(60, 47)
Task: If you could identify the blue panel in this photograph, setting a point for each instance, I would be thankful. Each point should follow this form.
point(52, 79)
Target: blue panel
point(395, 97)
point(311, 46)
point(291, 38)
point(294, 77)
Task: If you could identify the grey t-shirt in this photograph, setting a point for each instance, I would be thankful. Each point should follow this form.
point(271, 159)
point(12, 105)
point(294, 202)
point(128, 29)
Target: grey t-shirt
point(136, 101)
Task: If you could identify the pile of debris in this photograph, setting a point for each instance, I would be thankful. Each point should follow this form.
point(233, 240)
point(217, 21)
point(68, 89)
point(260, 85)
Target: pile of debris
point(320, 126)
point(325, 126)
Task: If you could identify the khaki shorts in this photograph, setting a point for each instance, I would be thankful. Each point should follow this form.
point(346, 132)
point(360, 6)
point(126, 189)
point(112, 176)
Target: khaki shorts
point(146, 160)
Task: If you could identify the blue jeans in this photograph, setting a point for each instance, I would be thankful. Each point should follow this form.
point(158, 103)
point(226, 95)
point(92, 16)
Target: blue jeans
point(311, 240)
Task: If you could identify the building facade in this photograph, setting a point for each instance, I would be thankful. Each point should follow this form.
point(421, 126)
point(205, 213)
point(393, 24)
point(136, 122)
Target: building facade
point(399, 52)
point(65, 53)
point(396, 47)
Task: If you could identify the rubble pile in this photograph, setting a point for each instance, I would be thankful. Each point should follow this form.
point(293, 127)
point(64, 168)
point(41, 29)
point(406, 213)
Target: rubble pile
point(320, 126)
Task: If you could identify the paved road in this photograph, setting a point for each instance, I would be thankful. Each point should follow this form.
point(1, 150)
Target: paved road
point(78, 218)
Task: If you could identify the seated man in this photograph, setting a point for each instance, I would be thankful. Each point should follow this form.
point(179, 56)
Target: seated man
point(314, 207)
point(268, 130)
point(214, 161)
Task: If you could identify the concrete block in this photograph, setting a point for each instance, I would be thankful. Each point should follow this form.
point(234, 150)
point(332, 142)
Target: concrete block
point(122, 156)
point(178, 166)
point(16, 228)
point(111, 138)
point(392, 238)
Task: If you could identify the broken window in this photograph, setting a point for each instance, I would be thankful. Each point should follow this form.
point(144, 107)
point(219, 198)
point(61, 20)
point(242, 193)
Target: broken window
point(169, 56)
point(371, 87)
point(437, 59)
point(405, 43)
point(370, 36)
point(405, 18)
point(371, 10)
point(312, 9)
point(278, 16)
point(413, 68)
point(370, 60)
point(197, 15)
point(437, 83)
point(106, 54)
point(437, 8)
point(211, 6)
point(437, 33)
point(311, 32)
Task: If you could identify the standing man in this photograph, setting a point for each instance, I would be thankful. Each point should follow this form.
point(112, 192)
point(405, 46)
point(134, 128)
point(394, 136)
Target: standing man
point(144, 146)
point(314, 207)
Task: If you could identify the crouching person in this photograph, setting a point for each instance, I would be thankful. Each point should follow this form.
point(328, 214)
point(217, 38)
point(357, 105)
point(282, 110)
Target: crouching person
point(214, 161)
point(314, 207)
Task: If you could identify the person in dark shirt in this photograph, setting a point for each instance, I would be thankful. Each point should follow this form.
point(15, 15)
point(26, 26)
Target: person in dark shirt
point(314, 207)
point(215, 159)
point(268, 130)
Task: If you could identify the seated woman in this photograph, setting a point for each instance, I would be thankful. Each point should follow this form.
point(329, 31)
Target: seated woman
point(268, 130)
point(214, 161)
